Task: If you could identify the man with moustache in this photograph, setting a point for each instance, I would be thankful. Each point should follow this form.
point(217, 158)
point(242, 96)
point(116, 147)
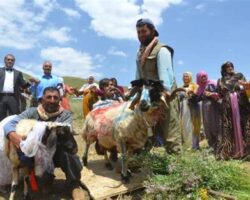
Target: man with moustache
point(155, 61)
point(68, 161)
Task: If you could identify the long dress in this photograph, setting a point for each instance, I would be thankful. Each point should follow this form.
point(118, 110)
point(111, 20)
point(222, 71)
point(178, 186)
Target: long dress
point(190, 118)
point(210, 116)
point(234, 120)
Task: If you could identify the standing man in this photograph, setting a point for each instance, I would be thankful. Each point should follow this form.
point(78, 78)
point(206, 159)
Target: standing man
point(11, 80)
point(155, 61)
point(43, 81)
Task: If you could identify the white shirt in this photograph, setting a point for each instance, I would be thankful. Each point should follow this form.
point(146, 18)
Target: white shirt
point(8, 85)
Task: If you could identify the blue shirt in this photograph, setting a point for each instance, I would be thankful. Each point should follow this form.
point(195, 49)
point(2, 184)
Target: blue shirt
point(45, 81)
point(164, 68)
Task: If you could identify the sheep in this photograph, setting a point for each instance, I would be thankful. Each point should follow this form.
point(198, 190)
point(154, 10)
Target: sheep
point(125, 126)
point(51, 134)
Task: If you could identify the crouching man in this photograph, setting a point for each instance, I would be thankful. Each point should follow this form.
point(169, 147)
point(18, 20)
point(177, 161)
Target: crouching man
point(50, 110)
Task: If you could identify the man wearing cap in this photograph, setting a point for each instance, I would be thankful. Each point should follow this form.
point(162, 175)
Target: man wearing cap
point(155, 61)
point(11, 80)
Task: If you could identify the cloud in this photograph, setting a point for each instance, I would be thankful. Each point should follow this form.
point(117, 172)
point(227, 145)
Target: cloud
point(60, 35)
point(113, 51)
point(68, 61)
point(71, 12)
point(180, 62)
point(200, 6)
point(118, 21)
point(21, 22)
point(100, 57)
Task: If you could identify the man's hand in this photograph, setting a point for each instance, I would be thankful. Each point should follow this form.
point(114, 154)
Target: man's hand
point(33, 80)
point(167, 95)
point(15, 139)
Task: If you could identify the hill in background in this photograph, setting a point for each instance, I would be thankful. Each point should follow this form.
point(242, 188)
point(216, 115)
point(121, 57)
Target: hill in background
point(68, 80)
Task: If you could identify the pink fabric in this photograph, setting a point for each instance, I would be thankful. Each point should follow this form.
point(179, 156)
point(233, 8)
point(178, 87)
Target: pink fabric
point(239, 150)
point(202, 86)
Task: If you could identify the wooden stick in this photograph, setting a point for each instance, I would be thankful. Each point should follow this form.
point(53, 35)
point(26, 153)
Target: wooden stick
point(220, 194)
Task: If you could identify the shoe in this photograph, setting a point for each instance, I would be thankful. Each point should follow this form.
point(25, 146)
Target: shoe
point(80, 194)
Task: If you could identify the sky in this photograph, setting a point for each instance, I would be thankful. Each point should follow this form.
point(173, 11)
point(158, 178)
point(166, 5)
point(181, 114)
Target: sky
point(98, 37)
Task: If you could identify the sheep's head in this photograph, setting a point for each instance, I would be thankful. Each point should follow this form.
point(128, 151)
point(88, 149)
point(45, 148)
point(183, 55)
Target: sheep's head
point(60, 134)
point(149, 94)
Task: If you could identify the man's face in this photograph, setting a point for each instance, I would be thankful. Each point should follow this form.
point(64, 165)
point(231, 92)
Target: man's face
point(50, 101)
point(9, 61)
point(144, 34)
point(47, 68)
point(108, 90)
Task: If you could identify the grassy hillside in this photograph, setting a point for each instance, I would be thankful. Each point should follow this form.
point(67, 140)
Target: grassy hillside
point(74, 81)
point(71, 81)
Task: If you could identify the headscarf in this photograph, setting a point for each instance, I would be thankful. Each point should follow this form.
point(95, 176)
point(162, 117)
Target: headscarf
point(224, 67)
point(189, 74)
point(202, 85)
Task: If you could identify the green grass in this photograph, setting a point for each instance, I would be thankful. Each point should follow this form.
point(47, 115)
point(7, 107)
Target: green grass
point(191, 174)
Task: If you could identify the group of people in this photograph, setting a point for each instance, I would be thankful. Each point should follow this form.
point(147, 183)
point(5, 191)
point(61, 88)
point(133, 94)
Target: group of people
point(221, 108)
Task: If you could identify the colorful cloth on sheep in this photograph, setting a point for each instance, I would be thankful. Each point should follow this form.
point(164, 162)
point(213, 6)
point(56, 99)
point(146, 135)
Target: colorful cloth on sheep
point(109, 115)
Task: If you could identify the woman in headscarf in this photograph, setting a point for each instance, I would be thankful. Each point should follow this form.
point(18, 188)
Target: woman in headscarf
point(234, 116)
point(207, 91)
point(189, 127)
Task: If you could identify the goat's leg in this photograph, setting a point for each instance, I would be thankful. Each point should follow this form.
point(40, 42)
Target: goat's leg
point(108, 164)
point(14, 183)
point(85, 154)
point(124, 174)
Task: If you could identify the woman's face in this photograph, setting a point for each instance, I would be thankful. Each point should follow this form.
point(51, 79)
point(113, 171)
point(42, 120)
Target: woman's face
point(186, 79)
point(203, 79)
point(229, 69)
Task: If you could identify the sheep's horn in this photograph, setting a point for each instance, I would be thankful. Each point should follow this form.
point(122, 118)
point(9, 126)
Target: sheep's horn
point(173, 94)
point(135, 101)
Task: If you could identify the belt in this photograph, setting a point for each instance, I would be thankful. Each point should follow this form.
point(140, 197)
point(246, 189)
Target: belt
point(6, 94)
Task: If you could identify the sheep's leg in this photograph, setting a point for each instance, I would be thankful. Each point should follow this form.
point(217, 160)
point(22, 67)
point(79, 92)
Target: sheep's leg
point(26, 185)
point(85, 154)
point(108, 164)
point(14, 183)
point(124, 174)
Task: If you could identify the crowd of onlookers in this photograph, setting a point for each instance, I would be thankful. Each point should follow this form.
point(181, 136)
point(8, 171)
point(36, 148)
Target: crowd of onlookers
point(222, 108)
